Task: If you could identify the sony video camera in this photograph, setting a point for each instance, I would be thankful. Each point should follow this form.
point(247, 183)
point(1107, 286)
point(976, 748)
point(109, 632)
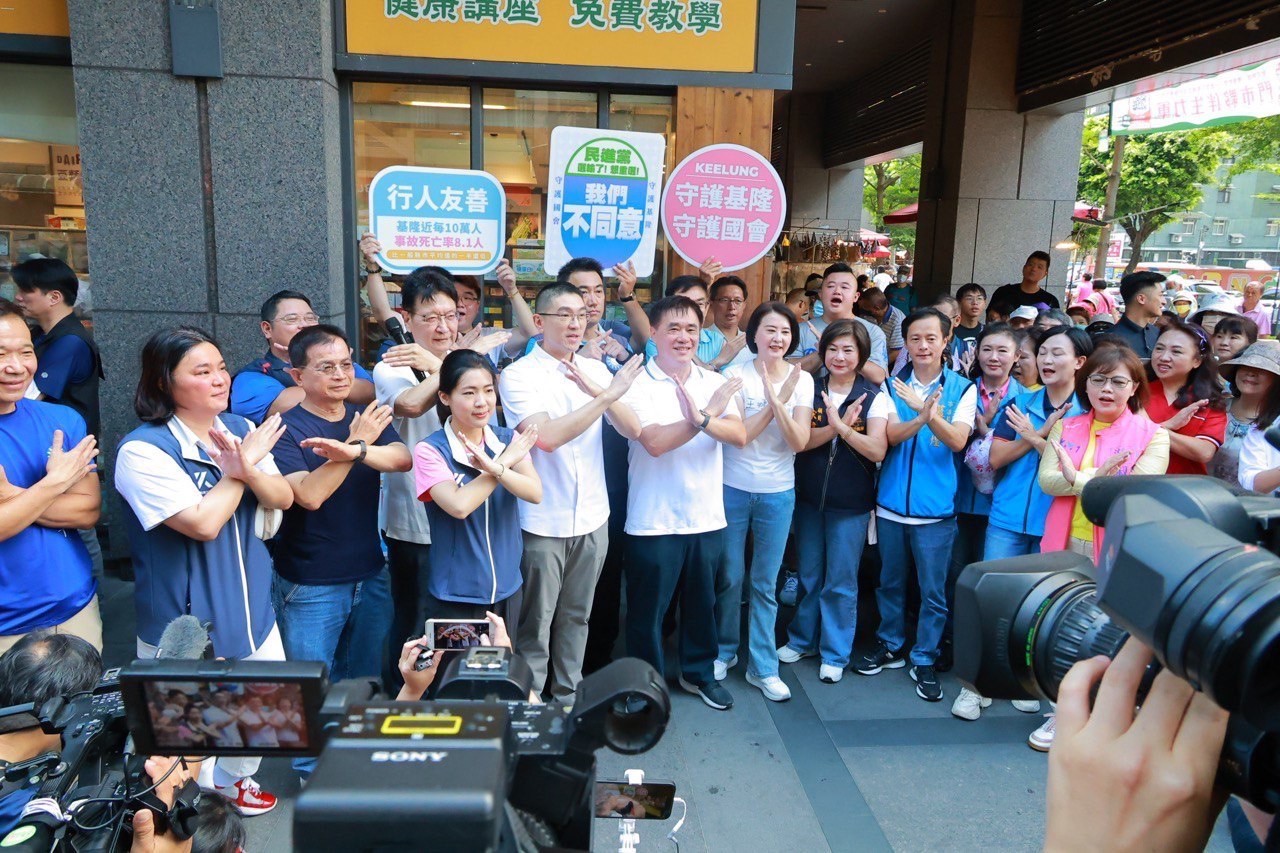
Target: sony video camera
point(1189, 567)
point(479, 768)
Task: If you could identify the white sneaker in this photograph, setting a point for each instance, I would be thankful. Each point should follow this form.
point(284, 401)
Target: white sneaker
point(790, 654)
point(830, 674)
point(772, 687)
point(721, 669)
point(1042, 738)
point(969, 705)
point(1027, 706)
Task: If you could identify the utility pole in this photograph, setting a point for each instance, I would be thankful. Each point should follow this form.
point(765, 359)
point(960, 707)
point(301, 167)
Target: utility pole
point(1109, 206)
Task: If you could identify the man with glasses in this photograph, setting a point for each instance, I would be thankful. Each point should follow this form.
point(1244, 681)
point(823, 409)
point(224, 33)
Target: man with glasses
point(331, 591)
point(566, 536)
point(265, 385)
point(973, 310)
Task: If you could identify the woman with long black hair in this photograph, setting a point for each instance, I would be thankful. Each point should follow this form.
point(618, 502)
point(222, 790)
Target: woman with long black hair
point(1186, 397)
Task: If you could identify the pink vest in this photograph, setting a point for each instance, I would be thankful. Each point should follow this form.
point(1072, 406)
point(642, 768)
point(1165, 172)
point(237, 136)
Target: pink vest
point(1131, 432)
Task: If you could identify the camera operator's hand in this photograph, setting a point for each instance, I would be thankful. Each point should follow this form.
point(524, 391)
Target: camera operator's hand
point(145, 838)
point(416, 682)
point(1122, 781)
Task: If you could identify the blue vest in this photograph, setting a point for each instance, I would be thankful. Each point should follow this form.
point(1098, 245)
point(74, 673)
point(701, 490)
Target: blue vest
point(1018, 503)
point(918, 478)
point(476, 559)
point(226, 582)
point(969, 499)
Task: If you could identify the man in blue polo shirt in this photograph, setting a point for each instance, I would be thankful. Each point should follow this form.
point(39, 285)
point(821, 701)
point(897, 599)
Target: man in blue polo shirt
point(331, 591)
point(46, 489)
point(265, 386)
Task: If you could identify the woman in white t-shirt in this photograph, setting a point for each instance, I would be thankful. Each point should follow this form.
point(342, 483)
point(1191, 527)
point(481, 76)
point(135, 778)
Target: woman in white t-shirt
point(776, 401)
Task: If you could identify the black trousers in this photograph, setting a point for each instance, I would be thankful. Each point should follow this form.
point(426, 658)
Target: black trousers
point(407, 562)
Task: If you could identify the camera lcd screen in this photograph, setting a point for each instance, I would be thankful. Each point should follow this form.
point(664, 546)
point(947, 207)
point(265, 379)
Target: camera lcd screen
point(194, 717)
point(457, 633)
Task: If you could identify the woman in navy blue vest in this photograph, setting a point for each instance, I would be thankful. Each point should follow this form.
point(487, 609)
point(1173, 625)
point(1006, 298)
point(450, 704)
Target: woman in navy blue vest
point(835, 493)
point(203, 487)
point(470, 474)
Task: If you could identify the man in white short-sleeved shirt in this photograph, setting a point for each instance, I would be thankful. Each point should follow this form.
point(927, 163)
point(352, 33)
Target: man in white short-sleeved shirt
point(565, 536)
point(675, 497)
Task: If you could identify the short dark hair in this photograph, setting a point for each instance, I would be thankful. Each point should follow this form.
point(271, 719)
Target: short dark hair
point(727, 281)
point(924, 314)
point(1040, 255)
point(1079, 339)
point(972, 287)
point(548, 294)
point(220, 827)
point(682, 284)
point(862, 281)
point(161, 355)
point(423, 284)
point(838, 266)
point(846, 329)
point(1136, 281)
point(272, 305)
point(453, 367)
point(44, 665)
point(1237, 324)
point(672, 305)
point(579, 265)
point(1108, 357)
point(470, 281)
point(1055, 314)
point(312, 336)
point(811, 278)
point(11, 309)
point(873, 297)
point(45, 275)
point(764, 310)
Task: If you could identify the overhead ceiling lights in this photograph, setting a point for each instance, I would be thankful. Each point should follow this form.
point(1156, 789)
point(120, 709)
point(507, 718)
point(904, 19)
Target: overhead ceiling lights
point(451, 105)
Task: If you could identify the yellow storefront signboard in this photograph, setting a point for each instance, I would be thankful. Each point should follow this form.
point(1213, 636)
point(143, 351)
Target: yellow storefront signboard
point(679, 35)
point(34, 18)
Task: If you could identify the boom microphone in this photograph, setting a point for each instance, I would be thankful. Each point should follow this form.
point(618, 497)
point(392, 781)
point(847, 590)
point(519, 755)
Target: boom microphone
point(185, 638)
point(395, 328)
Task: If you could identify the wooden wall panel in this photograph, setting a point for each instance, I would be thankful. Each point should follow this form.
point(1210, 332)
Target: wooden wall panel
point(743, 116)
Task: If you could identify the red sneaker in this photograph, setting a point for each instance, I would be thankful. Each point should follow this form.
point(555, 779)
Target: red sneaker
point(248, 798)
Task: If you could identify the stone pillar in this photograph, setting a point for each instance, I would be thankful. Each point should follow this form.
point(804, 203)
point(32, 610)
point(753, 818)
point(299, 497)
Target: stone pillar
point(996, 184)
point(204, 197)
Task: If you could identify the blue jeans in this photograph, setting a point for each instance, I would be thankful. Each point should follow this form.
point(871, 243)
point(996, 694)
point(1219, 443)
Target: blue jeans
point(829, 547)
point(769, 518)
point(1003, 543)
point(930, 544)
point(343, 625)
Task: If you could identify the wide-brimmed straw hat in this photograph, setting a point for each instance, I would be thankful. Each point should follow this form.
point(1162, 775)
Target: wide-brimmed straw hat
point(1264, 355)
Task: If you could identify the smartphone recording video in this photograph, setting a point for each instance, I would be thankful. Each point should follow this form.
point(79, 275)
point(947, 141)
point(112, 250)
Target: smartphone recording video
point(457, 633)
point(650, 801)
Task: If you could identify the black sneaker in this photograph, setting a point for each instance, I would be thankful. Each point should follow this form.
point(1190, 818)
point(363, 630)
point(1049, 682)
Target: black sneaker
point(713, 694)
point(928, 687)
point(946, 657)
point(881, 658)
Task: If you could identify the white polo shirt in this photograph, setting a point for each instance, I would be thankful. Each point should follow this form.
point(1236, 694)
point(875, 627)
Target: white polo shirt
point(405, 518)
point(682, 491)
point(574, 500)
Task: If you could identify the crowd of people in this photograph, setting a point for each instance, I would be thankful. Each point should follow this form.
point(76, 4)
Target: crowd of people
point(712, 462)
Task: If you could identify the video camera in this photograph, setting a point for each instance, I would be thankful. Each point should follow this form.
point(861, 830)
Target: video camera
point(1188, 567)
point(478, 768)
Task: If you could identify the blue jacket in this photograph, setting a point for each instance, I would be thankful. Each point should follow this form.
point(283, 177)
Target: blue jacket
point(226, 582)
point(918, 478)
point(1018, 503)
point(476, 559)
point(969, 499)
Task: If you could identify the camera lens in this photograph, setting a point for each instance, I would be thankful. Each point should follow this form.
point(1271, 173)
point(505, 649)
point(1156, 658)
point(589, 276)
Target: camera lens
point(1074, 628)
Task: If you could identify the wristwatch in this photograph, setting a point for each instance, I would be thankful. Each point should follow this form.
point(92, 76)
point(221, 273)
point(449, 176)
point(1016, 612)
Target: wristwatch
point(631, 298)
point(706, 419)
point(364, 449)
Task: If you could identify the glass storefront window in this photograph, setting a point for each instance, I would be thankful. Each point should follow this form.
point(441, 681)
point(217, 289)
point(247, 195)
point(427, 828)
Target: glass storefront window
point(41, 192)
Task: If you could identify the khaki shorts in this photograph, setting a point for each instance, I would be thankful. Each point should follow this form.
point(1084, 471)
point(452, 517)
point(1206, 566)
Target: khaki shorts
point(86, 624)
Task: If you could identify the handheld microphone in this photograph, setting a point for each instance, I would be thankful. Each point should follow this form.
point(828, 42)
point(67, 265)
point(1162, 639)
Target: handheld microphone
point(185, 638)
point(395, 328)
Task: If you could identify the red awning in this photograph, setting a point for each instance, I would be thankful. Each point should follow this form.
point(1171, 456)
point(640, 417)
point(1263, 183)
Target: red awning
point(903, 215)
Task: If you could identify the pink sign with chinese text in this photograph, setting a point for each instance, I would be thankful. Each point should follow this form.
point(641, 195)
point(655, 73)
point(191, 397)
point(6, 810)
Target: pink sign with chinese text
point(723, 201)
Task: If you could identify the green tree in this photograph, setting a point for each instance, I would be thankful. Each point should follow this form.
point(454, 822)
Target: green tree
point(1256, 146)
point(890, 185)
point(1163, 175)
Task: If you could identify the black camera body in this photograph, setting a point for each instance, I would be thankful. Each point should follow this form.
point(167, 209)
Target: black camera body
point(1188, 566)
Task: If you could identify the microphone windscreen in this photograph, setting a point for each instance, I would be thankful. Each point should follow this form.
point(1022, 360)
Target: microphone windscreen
point(395, 328)
point(185, 638)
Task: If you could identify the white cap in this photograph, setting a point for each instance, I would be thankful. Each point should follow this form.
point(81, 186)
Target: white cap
point(882, 280)
point(1024, 312)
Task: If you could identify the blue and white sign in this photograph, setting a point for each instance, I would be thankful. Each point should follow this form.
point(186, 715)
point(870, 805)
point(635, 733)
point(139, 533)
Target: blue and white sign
point(450, 218)
point(604, 197)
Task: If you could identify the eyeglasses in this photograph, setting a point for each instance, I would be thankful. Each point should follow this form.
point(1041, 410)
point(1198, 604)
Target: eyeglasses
point(333, 368)
point(565, 316)
point(433, 320)
point(298, 319)
point(1120, 383)
point(725, 300)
